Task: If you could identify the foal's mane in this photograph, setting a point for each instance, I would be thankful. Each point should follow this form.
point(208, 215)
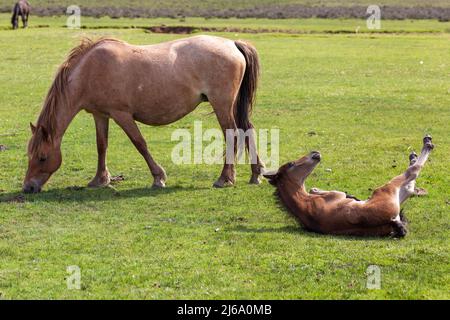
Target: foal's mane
point(57, 95)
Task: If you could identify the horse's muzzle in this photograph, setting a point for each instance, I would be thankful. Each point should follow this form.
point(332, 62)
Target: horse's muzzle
point(31, 187)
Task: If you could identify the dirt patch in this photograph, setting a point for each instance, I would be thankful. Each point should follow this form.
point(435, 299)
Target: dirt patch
point(176, 29)
point(3, 148)
point(191, 29)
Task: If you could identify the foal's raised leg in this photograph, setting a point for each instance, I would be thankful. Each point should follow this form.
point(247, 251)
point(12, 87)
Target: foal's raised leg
point(102, 178)
point(416, 165)
point(127, 123)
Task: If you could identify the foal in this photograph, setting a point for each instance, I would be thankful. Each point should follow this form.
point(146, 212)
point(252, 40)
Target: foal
point(334, 212)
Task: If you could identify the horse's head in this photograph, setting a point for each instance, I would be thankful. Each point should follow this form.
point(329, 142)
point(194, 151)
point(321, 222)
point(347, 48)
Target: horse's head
point(297, 170)
point(44, 158)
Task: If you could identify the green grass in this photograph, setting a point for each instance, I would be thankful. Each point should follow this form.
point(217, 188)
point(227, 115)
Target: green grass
point(367, 97)
point(215, 4)
point(295, 25)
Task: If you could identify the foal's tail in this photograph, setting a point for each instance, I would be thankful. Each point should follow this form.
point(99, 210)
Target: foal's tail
point(247, 93)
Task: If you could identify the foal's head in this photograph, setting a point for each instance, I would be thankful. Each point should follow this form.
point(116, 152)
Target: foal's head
point(295, 171)
point(44, 158)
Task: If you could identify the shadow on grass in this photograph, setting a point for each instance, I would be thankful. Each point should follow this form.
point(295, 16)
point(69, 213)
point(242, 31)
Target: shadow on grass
point(81, 194)
point(300, 231)
point(285, 229)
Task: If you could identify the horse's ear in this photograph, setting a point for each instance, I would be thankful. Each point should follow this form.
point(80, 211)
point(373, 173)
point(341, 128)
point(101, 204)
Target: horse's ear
point(33, 128)
point(44, 133)
point(272, 176)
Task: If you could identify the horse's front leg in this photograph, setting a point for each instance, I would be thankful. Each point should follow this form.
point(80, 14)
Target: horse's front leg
point(102, 178)
point(15, 22)
point(127, 123)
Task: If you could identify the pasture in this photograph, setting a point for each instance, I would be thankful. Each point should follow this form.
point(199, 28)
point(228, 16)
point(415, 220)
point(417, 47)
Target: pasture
point(364, 100)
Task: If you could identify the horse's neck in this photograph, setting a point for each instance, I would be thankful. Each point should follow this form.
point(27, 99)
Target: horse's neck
point(56, 119)
point(292, 191)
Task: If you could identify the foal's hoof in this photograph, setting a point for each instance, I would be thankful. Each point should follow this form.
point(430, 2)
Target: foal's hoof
point(428, 142)
point(100, 182)
point(255, 179)
point(413, 156)
point(223, 183)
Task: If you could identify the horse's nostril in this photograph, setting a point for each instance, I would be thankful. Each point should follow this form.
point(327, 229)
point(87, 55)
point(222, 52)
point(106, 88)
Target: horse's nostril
point(30, 189)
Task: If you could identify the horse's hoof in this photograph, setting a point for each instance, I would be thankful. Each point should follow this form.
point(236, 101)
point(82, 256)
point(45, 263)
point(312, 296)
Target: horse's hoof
point(159, 185)
point(255, 179)
point(222, 183)
point(100, 182)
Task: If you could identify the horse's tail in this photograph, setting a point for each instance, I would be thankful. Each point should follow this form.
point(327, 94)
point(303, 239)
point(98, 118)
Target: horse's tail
point(247, 92)
point(57, 95)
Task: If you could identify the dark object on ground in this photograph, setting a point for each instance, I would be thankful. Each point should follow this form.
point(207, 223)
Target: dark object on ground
point(3, 147)
point(75, 188)
point(118, 178)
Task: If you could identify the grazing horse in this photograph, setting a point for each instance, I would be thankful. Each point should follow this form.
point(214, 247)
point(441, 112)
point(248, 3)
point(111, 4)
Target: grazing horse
point(334, 212)
point(155, 85)
point(22, 8)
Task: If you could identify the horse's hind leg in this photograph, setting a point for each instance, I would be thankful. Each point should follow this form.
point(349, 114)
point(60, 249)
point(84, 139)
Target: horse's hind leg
point(127, 123)
point(256, 163)
point(102, 178)
point(223, 109)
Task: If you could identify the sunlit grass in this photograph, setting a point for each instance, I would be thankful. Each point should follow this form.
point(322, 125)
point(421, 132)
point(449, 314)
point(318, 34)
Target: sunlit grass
point(369, 100)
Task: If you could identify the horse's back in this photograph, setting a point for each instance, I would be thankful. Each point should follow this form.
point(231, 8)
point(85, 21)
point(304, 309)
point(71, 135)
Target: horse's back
point(169, 78)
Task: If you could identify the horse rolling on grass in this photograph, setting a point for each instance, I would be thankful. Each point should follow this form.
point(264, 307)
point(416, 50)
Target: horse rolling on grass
point(334, 212)
point(22, 8)
point(155, 85)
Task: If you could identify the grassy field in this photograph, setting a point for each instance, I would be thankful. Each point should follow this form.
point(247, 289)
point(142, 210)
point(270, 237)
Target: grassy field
point(369, 98)
point(252, 25)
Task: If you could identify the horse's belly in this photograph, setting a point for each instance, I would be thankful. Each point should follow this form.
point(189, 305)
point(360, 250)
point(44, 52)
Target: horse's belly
point(164, 114)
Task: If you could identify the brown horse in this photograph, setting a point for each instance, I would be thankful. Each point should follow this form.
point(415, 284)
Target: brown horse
point(334, 212)
point(22, 8)
point(155, 85)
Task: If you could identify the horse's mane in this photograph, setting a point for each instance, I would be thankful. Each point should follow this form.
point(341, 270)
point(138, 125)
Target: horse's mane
point(57, 95)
